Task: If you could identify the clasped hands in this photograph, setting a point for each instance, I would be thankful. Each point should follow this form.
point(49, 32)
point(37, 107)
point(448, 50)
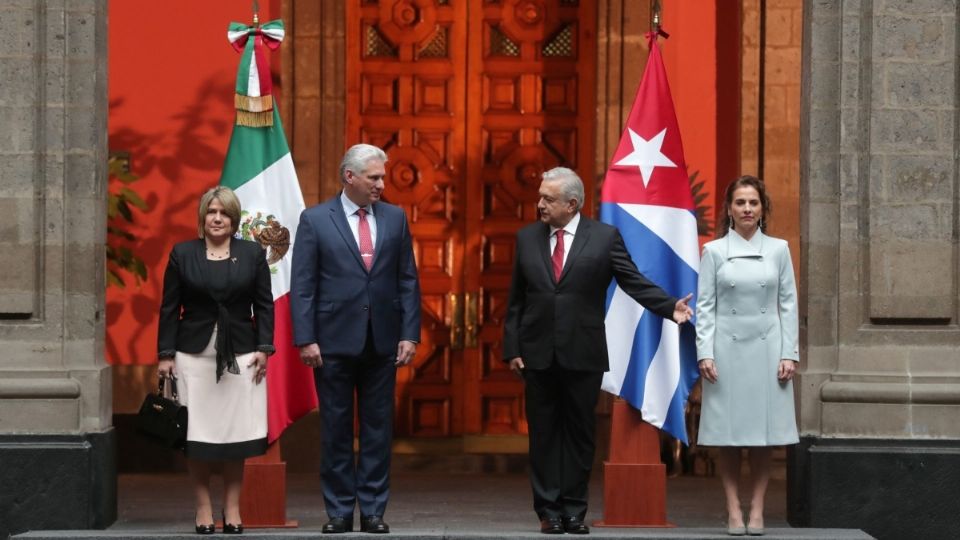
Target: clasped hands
point(310, 354)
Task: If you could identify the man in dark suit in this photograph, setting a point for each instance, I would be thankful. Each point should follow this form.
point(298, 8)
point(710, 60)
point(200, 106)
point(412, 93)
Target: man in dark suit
point(554, 338)
point(355, 300)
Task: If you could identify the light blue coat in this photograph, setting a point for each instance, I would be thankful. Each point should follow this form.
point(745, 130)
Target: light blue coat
point(747, 322)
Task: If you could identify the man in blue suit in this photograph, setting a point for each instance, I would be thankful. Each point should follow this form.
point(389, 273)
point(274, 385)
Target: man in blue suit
point(355, 300)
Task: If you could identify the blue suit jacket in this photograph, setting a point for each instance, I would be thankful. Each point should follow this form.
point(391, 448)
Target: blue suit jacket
point(333, 296)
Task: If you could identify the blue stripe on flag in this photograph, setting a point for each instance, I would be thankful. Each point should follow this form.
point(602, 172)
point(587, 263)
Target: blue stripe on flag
point(659, 263)
point(646, 341)
point(653, 257)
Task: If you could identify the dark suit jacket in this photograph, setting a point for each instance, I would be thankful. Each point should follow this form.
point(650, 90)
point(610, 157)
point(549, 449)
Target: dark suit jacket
point(189, 310)
point(547, 320)
point(334, 299)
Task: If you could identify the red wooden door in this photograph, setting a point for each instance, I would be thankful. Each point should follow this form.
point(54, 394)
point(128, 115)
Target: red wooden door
point(472, 100)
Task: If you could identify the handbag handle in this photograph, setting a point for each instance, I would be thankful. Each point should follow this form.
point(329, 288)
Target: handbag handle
point(173, 388)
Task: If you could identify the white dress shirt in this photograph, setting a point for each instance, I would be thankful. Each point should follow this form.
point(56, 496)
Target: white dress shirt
point(353, 219)
point(569, 231)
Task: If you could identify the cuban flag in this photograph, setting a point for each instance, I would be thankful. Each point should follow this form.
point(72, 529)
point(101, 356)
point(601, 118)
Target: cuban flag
point(646, 194)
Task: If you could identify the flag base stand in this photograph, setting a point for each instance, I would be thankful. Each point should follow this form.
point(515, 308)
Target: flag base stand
point(634, 478)
point(263, 498)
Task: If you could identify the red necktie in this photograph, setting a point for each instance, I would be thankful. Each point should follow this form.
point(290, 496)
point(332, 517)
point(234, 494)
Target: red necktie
point(558, 255)
point(366, 243)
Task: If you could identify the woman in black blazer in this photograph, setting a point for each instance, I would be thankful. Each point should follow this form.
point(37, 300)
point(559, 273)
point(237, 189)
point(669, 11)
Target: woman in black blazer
point(215, 333)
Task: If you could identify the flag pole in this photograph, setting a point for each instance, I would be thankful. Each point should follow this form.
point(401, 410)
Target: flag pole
point(634, 478)
point(656, 19)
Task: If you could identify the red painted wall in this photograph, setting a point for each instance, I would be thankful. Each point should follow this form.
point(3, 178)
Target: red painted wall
point(172, 74)
point(690, 56)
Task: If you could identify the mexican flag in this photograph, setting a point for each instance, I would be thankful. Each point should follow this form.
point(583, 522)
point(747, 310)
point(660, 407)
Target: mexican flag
point(259, 169)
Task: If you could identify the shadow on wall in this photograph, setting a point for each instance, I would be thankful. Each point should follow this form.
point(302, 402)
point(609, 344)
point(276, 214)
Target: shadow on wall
point(177, 160)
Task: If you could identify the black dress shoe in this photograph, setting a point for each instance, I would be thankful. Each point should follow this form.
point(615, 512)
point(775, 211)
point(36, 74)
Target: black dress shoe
point(551, 525)
point(373, 524)
point(575, 525)
point(338, 525)
point(206, 529)
point(230, 528)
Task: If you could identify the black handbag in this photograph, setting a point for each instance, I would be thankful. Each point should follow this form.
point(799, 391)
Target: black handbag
point(163, 420)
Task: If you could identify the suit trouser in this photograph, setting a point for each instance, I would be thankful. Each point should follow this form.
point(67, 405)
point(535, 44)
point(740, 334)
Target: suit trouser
point(365, 481)
point(560, 407)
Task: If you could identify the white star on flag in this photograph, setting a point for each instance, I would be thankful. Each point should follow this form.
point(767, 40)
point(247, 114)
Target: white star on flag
point(646, 154)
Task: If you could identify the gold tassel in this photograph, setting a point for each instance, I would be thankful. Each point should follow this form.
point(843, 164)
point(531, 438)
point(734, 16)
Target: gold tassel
point(252, 103)
point(255, 119)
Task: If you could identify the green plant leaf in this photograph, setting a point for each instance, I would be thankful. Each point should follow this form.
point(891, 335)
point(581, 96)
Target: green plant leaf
point(119, 202)
point(117, 231)
point(698, 192)
point(112, 202)
point(139, 268)
point(124, 210)
point(131, 197)
point(114, 279)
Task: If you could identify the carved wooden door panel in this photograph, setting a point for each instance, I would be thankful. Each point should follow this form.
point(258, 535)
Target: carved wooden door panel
point(472, 100)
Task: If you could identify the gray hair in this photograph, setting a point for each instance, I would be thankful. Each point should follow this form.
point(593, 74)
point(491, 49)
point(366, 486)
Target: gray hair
point(357, 157)
point(570, 183)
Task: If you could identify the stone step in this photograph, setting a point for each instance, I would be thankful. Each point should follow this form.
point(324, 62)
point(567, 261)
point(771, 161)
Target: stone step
point(449, 533)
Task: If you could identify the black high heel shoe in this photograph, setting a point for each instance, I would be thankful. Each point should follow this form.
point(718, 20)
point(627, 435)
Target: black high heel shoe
point(230, 528)
point(206, 529)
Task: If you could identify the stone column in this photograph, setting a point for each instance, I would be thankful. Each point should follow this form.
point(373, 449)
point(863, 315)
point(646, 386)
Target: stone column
point(57, 462)
point(880, 388)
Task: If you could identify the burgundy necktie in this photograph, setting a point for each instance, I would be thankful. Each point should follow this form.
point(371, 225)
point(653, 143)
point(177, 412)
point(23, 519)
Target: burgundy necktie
point(558, 255)
point(366, 242)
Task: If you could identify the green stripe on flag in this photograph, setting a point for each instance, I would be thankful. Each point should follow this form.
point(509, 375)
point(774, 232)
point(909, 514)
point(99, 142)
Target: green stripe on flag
point(252, 150)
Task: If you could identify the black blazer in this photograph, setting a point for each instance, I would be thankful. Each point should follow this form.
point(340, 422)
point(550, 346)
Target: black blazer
point(547, 320)
point(189, 311)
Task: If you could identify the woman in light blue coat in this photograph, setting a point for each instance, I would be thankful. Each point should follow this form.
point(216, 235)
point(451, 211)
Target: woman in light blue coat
point(747, 329)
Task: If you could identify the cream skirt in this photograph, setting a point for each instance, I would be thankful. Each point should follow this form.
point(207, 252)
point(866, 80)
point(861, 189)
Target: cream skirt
point(226, 420)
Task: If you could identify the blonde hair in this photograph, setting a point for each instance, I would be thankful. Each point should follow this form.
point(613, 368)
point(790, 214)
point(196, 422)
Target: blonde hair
point(231, 207)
